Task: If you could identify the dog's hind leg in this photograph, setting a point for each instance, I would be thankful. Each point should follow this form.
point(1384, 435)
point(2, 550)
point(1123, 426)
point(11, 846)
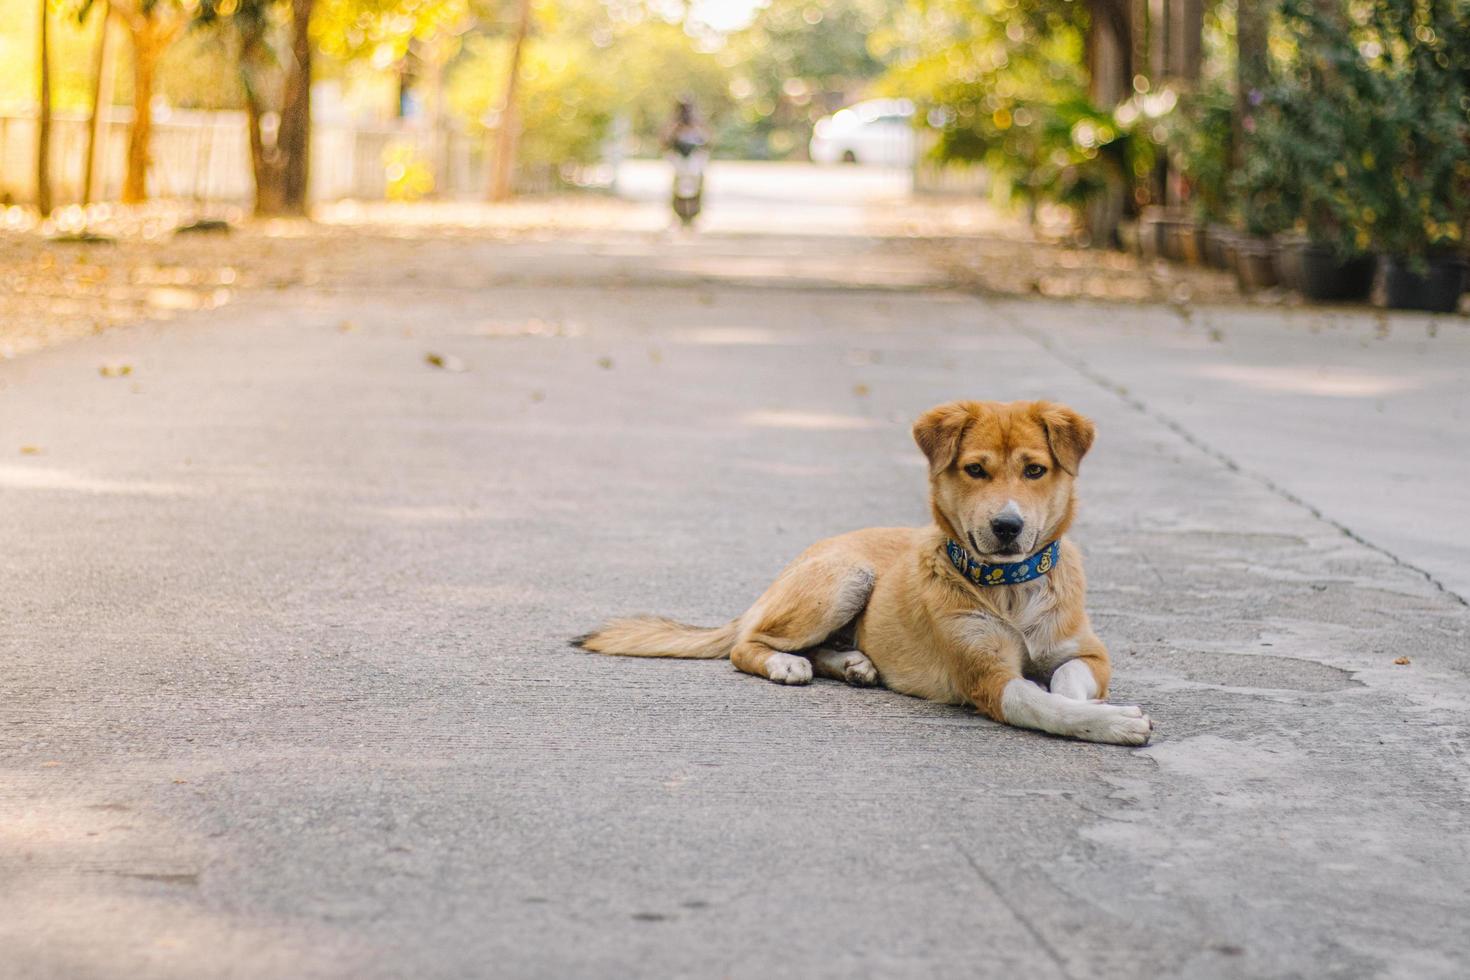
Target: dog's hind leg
point(812, 599)
point(852, 666)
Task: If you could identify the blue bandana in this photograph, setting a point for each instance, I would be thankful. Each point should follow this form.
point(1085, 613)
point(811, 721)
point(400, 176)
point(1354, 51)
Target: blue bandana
point(1011, 574)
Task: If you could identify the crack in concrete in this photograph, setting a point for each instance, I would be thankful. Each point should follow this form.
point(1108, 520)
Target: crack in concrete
point(1107, 384)
point(1020, 916)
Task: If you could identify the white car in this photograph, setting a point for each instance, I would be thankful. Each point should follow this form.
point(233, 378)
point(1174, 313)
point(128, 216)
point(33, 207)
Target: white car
point(878, 132)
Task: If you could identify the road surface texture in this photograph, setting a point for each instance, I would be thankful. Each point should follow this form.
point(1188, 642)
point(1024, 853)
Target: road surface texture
point(287, 690)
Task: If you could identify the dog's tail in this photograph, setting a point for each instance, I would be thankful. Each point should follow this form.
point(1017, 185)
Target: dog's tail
point(654, 636)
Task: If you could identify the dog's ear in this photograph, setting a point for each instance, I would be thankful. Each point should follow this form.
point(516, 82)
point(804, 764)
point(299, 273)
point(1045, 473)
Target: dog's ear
point(938, 433)
point(1068, 433)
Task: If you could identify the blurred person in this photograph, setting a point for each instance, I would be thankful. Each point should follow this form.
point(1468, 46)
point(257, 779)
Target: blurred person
point(685, 142)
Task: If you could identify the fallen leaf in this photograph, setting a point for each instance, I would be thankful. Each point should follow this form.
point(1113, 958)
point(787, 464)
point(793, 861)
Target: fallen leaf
point(346, 326)
point(538, 396)
point(1401, 661)
point(860, 390)
point(115, 370)
point(447, 362)
point(605, 363)
point(31, 450)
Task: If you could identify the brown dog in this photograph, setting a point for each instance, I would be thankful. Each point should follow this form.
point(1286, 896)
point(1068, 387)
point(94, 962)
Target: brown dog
point(961, 611)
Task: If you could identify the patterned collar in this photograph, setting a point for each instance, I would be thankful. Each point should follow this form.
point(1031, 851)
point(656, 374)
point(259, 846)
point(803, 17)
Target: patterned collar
point(1013, 573)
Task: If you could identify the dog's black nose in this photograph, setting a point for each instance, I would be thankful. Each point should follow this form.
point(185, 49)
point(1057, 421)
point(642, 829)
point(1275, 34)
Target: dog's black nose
point(1006, 527)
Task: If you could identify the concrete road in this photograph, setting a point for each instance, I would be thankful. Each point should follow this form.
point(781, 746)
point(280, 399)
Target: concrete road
point(1362, 417)
point(286, 689)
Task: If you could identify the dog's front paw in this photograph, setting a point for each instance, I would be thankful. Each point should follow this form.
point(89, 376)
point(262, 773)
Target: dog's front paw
point(786, 668)
point(1116, 724)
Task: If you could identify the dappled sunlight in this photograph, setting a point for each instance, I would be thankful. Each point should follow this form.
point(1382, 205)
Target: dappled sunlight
point(733, 336)
point(809, 421)
point(1318, 381)
point(48, 479)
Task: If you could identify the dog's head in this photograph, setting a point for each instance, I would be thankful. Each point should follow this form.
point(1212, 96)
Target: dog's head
point(1001, 473)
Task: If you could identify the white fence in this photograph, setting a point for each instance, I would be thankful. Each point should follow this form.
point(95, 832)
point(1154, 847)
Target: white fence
point(205, 156)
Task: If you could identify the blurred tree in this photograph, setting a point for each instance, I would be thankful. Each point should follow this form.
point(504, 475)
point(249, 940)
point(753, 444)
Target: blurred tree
point(508, 126)
point(585, 64)
point(1252, 67)
point(152, 26)
point(101, 99)
point(566, 105)
point(273, 53)
point(1004, 84)
point(797, 61)
point(657, 62)
point(414, 38)
point(43, 115)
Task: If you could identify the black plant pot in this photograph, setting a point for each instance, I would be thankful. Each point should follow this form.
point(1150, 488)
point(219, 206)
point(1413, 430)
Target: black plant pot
point(1438, 291)
point(1325, 277)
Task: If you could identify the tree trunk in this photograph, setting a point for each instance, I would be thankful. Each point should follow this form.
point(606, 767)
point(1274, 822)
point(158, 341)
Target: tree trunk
point(101, 101)
point(254, 60)
point(1110, 48)
point(43, 118)
point(1186, 42)
point(281, 167)
point(508, 132)
point(146, 50)
point(1109, 52)
point(293, 140)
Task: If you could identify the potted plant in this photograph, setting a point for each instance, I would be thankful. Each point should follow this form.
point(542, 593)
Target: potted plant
point(1202, 148)
point(1312, 119)
point(1399, 72)
point(1266, 204)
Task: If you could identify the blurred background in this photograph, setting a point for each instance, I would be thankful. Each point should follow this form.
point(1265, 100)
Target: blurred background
point(1279, 141)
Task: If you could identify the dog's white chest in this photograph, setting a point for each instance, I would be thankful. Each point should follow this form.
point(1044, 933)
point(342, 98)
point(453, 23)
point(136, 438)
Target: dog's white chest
point(1032, 611)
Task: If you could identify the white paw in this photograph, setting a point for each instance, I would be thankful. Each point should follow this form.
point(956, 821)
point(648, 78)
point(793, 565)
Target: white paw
point(1115, 724)
point(858, 670)
point(1074, 680)
point(786, 668)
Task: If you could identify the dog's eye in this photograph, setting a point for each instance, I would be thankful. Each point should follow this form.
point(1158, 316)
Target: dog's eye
point(976, 470)
point(1035, 471)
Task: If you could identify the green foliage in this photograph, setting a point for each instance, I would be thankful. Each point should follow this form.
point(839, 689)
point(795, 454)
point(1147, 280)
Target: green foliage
point(656, 62)
point(71, 57)
point(1201, 141)
point(1005, 86)
point(384, 30)
point(1361, 139)
point(587, 63)
point(565, 107)
point(797, 61)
